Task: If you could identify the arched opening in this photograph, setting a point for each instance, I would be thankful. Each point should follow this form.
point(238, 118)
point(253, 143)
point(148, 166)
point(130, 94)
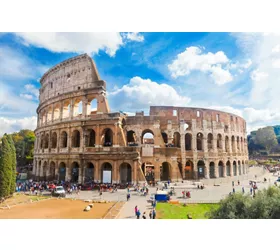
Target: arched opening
point(210, 141)
point(38, 169)
point(238, 144)
point(46, 141)
point(45, 171)
point(228, 168)
point(92, 107)
point(76, 137)
point(42, 141)
point(188, 141)
point(125, 173)
point(219, 142)
point(164, 137)
point(49, 115)
point(221, 169)
point(63, 140)
point(131, 138)
point(148, 137)
point(199, 141)
point(232, 144)
point(62, 171)
point(54, 140)
point(201, 169)
point(89, 172)
point(234, 168)
point(239, 168)
point(90, 138)
point(52, 171)
point(107, 137)
point(243, 167)
point(75, 172)
point(149, 171)
point(78, 107)
point(227, 144)
point(106, 173)
point(212, 170)
point(189, 173)
point(177, 140)
point(56, 112)
point(66, 109)
point(165, 170)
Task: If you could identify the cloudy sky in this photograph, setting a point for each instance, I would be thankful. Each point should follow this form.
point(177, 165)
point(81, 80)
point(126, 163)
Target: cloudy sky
point(234, 72)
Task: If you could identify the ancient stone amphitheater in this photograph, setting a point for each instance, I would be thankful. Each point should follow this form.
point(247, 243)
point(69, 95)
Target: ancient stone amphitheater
point(78, 139)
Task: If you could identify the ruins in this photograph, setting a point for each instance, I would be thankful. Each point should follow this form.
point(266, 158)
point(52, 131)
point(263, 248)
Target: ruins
point(78, 139)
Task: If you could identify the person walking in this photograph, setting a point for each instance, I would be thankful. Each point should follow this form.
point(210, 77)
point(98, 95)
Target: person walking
point(233, 183)
point(233, 190)
point(135, 210)
point(144, 215)
point(154, 213)
point(138, 214)
point(128, 196)
point(243, 190)
point(251, 190)
point(151, 214)
point(238, 182)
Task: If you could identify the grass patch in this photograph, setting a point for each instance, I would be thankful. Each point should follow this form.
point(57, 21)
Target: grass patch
point(36, 198)
point(178, 211)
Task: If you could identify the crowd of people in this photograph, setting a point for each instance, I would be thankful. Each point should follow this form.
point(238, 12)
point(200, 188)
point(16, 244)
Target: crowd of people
point(152, 213)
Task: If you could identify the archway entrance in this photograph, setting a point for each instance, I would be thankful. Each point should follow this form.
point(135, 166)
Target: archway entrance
point(148, 137)
point(189, 174)
point(107, 170)
point(212, 170)
point(165, 171)
point(131, 138)
point(52, 171)
point(149, 171)
point(89, 172)
point(228, 168)
point(125, 173)
point(239, 168)
point(221, 169)
point(75, 172)
point(234, 168)
point(44, 177)
point(201, 169)
point(62, 171)
point(108, 137)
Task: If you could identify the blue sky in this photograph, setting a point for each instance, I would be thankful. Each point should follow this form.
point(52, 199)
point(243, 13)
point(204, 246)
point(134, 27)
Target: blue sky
point(234, 72)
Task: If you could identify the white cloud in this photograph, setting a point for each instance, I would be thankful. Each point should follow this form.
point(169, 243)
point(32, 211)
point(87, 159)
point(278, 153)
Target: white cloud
point(192, 59)
point(74, 42)
point(32, 89)
point(142, 93)
point(9, 125)
point(228, 109)
point(26, 96)
point(276, 49)
point(256, 75)
point(135, 36)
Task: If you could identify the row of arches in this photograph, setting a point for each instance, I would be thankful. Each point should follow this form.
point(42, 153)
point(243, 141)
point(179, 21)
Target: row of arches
point(68, 108)
point(76, 173)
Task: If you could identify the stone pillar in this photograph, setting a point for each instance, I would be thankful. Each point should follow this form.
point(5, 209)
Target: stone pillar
point(204, 144)
point(115, 137)
point(157, 172)
point(214, 143)
point(67, 173)
point(56, 172)
point(223, 144)
point(135, 171)
point(216, 169)
point(225, 170)
point(71, 109)
point(230, 145)
point(115, 172)
point(52, 119)
point(195, 169)
point(194, 147)
point(61, 111)
point(97, 136)
point(97, 177)
point(81, 168)
point(231, 169)
point(85, 107)
point(206, 170)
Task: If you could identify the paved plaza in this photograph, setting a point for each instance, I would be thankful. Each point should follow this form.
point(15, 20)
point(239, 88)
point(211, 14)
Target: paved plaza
point(213, 192)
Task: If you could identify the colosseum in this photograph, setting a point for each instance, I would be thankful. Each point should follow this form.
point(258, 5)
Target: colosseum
point(78, 139)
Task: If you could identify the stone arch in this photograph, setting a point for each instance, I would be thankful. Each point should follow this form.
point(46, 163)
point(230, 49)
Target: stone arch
point(239, 167)
point(76, 139)
point(243, 167)
point(41, 141)
point(92, 106)
point(201, 169)
point(234, 168)
point(90, 138)
point(62, 171)
point(106, 172)
point(63, 139)
point(52, 171)
point(233, 144)
point(147, 137)
point(66, 109)
point(56, 111)
point(125, 173)
point(227, 144)
point(44, 172)
point(177, 140)
point(188, 141)
point(49, 115)
point(148, 169)
point(199, 141)
point(189, 170)
point(89, 172)
point(131, 138)
point(228, 168)
point(212, 170)
point(221, 169)
point(164, 137)
point(219, 141)
point(46, 141)
point(107, 137)
point(54, 140)
point(165, 171)
point(77, 107)
point(238, 144)
point(210, 141)
point(75, 172)
point(38, 169)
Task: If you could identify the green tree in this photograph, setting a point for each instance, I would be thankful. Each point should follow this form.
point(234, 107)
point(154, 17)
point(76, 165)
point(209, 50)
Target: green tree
point(14, 164)
point(266, 138)
point(5, 168)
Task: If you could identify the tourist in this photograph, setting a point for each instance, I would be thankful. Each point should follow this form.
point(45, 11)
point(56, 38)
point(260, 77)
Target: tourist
point(138, 214)
point(154, 213)
point(251, 190)
point(144, 215)
point(243, 190)
point(151, 214)
point(135, 210)
point(128, 196)
point(233, 190)
point(238, 182)
point(233, 183)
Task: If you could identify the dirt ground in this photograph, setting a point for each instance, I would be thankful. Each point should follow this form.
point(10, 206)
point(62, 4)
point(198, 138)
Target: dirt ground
point(56, 209)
